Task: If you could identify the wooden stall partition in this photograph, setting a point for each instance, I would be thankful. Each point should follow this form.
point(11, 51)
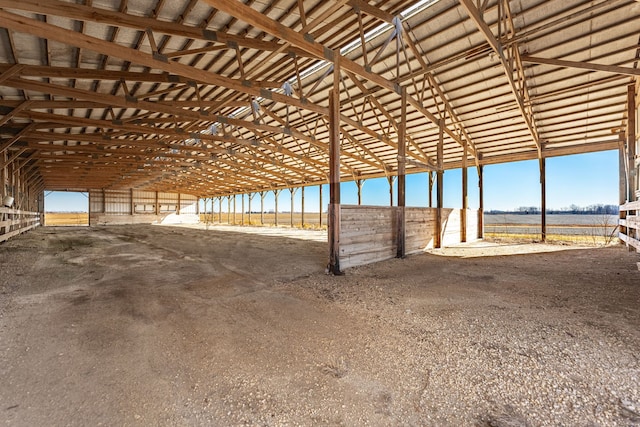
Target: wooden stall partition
point(451, 228)
point(472, 224)
point(420, 229)
point(15, 221)
point(367, 234)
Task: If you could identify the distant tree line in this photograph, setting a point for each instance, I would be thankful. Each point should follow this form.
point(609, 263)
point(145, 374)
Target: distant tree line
point(598, 209)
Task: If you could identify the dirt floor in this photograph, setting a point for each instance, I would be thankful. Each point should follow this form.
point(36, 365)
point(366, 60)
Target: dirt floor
point(154, 325)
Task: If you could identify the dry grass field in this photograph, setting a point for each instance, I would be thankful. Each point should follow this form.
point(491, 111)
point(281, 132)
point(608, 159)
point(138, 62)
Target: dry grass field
point(56, 219)
point(577, 229)
point(311, 219)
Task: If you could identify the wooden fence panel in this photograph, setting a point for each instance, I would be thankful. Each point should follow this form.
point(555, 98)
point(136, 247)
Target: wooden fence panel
point(630, 219)
point(14, 222)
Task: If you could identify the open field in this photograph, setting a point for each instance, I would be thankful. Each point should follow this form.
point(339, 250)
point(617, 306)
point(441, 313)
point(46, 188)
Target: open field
point(56, 219)
point(585, 229)
point(158, 325)
point(311, 220)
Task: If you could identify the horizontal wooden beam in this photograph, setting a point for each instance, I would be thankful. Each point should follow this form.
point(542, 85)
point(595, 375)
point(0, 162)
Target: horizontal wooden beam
point(614, 69)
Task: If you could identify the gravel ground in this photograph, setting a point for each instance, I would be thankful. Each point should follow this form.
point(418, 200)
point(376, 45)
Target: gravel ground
point(176, 326)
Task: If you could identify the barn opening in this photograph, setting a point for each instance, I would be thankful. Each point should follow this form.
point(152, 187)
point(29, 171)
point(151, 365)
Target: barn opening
point(66, 208)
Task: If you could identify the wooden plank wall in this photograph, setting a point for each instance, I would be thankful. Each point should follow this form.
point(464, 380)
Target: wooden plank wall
point(368, 233)
point(15, 221)
point(420, 229)
point(119, 207)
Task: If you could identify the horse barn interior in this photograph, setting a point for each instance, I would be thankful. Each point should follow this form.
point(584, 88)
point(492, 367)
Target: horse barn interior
point(151, 106)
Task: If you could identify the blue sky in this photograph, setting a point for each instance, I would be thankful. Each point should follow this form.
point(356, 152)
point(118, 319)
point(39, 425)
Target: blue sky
point(582, 180)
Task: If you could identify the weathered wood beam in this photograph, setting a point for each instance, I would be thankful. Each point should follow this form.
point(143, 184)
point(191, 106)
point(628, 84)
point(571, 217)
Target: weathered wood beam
point(614, 69)
point(401, 220)
point(334, 171)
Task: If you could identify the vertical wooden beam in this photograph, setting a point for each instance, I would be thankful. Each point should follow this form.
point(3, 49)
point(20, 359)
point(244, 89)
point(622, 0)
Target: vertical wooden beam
point(631, 142)
point(242, 213)
point(179, 207)
point(229, 209)
point(302, 219)
point(320, 209)
point(220, 210)
point(276, 194)
point(235, 204)
point(334, 170)
point(262, 196)
point(622, 170)
point(465, 196)
point(104, 201)
point(622, 181)
point(390, 181)
point(292, 191)
point(440, 185)
point(251, 196)
point(89, 213)
point(402, 144)
point(156, 207)
point(131, 204)
point(480, 202)
point(431, 182)
point(359, 183)
point(4, 176)
point(543, 199)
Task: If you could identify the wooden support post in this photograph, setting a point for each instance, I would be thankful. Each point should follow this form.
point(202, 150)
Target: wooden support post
point(402, 144)
point(622, 182)
point(321, 207)
point(262, 196)
point(251, 196)
point(431, 182)
point(334, 170)
point(302, 212)
point(480, 202)
point(276, 193)
point(465, 196)
point(359, 183)
point(242, 213)
point(132, 206)
point(293, 193)
point(390, 180)
point(543, 199)
point(440, 185)
point(229, 209)
point(235, 204)
point(179, 205)
point(631, 142)
point(4, 177)
point(220, 210)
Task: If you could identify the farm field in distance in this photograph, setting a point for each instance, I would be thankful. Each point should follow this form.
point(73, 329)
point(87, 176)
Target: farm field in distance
point(572, 228)
point(56, 219)
point(594, 229)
